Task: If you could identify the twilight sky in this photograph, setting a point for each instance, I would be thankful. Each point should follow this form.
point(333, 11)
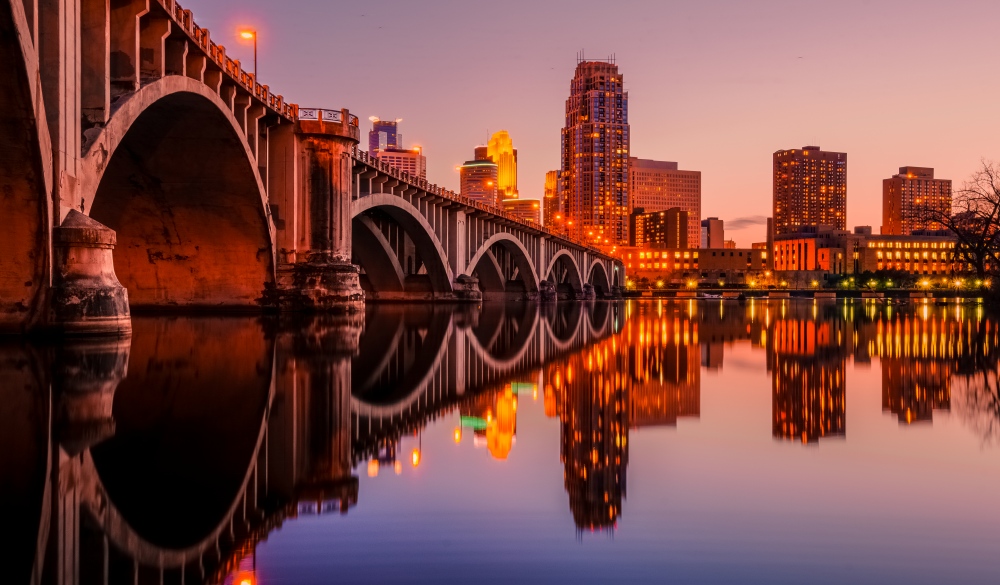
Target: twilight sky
point(717, 86)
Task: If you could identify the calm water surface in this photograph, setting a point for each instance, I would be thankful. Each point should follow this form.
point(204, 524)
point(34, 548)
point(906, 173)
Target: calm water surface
point(641, 441)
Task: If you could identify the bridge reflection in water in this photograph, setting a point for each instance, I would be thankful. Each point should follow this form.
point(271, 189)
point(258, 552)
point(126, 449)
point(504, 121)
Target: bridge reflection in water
point(168, 457)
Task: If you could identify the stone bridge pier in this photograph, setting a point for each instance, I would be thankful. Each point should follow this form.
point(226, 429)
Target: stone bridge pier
point(313, 214)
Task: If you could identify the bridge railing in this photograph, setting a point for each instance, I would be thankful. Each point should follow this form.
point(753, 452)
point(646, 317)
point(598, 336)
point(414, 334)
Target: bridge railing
point(184, 19)
point(322, 115)
point(424, 185)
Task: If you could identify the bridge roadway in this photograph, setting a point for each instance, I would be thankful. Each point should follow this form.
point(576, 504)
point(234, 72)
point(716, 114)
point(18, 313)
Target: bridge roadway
point(206, 452)
point(142, 167)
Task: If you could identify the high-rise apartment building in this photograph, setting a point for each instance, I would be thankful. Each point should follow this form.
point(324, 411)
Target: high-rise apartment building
point(384, 134)
point(501, 151)
point(659, 229)
point(657, 185)
point(410, 160)
point(551, 202)
point(810, 189)
point(912, 199)
point(713, 234)
point(595, 147)
point(478, 180)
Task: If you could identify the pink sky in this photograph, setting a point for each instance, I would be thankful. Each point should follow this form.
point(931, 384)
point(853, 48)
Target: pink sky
point(716, 86)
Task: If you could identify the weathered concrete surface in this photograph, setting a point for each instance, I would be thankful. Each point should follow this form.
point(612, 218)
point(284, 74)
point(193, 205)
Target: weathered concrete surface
point(546, 292)
point(317, 286)
point(25, 178)
point(173, 176)
point(317, 273)
point(86, 296)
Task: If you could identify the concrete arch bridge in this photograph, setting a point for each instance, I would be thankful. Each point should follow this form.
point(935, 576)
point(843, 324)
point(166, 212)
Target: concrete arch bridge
point(142, 167)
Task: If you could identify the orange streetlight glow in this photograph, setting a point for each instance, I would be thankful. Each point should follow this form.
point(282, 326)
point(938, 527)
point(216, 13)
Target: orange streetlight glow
point(248, 35)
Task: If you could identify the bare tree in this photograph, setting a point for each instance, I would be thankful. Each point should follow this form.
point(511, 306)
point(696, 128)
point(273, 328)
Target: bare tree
point(974, 220)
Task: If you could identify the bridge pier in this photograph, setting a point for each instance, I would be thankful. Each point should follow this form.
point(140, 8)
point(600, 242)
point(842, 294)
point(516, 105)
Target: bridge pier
point(86, 296)
point(321, 276)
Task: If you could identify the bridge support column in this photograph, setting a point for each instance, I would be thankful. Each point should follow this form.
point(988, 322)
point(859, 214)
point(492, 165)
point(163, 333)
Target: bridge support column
point(322, 278)
point(87, 298)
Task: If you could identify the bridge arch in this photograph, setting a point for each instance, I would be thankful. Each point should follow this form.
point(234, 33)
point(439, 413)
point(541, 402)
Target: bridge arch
point(564, 271)
point(484, 261)
point(174, 176)
point(598, 278)
point(427, 253)
point(25, 177)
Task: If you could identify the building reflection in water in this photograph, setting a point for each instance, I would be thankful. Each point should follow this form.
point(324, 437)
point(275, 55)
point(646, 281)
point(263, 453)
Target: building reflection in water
point(808, 362)
point(166, 459)
point(491, 418)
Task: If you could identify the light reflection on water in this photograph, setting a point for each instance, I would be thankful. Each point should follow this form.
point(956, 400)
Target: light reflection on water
point(694, 441)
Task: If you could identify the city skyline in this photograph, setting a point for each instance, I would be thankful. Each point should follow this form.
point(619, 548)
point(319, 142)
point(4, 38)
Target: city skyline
point(722, 108)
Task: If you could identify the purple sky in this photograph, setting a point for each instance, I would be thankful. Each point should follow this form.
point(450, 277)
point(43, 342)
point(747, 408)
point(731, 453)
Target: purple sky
point(717, 86)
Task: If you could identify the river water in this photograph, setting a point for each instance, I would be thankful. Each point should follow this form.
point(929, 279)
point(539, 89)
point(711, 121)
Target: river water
point(639, 441)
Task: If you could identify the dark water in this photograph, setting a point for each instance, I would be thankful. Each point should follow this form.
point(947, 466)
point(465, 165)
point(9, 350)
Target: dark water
point(686, 442)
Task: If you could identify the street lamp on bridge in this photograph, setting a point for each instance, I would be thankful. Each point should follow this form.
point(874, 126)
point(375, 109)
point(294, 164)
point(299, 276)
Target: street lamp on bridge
point(249, 34)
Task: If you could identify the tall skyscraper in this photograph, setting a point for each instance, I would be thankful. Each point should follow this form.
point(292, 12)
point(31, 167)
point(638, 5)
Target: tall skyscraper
point(551, 202)
point(810, 189)
point(911, 199)
point(386, 144)
point(479, 181)
point(713, 234)
point(500, 150)
point(595, 147)
point(656, 185)
point(384, 134)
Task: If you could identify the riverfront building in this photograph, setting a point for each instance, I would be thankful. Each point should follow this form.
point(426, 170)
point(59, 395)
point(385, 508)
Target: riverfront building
point(479, 181)
point(526, 209)
point(384, 134)
point(657, 185)
point(410, 160)
point(659, 229)
point(810, 189)
point(501, 151)
point(713, 234)
point(595, 147)
point(911, 199)
point(552, 202)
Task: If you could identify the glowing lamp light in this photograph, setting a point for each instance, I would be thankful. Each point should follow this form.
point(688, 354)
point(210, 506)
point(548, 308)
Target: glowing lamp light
point(415, 457)
point(458, 435)
point(248, 34)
